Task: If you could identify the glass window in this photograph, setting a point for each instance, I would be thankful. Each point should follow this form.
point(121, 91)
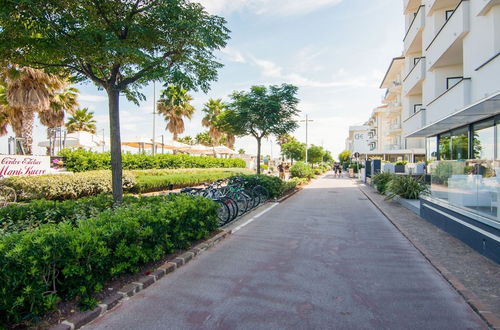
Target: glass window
point(452, 81)
point(445, 146)
point(460, 144)
point(448, 14)
point(484, 140)
point(431, 148)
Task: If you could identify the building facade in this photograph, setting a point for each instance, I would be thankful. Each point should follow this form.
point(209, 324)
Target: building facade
point(451, 98)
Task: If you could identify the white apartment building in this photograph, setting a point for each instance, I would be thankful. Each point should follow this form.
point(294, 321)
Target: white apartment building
point(358, 139)
point(451, 97)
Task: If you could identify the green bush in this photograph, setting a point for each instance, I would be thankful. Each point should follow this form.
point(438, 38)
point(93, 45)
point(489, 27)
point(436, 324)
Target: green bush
point(381, 180)
point(401, 162)
point(64, 186)
point(406, 186)
point(62, 261)
point(81, 160)
point(273, 184)
point(157, 180)
point(301, 170)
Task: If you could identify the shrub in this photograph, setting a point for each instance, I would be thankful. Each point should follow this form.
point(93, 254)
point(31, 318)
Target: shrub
point(157, 180)
point(401, 162)
point(273, 184)
point(81, 160)
point(407, 187)
point(63, 261)
point(381, 180)
point(301, 170)
point(65, 186)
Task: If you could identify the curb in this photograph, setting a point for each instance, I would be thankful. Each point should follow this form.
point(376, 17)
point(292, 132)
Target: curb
point(483, 310)
point(284, 198)
point(80, 319)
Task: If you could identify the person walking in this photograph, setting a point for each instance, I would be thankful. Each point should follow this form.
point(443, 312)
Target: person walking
point(281, 170)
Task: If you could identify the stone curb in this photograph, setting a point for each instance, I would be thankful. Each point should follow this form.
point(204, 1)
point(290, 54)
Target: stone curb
point(483, 310)
point(284, 198)
point(80, 319)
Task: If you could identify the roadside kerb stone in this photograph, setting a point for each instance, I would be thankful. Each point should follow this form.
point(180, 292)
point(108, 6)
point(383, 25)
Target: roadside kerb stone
point(80, 319)
point(168, 267)
point(112, 300)
point(146, 281)
point(483, 310)
point(129, 290)
point(159, 273)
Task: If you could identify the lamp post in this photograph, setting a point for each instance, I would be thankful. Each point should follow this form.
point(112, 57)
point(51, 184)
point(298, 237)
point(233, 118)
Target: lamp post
point(307, 128)
point(154, 117)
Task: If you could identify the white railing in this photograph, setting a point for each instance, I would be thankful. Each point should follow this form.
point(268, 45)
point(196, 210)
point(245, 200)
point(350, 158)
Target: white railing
point(452, 100)
point(414, 122)
point(414, 77)
point(413, 31)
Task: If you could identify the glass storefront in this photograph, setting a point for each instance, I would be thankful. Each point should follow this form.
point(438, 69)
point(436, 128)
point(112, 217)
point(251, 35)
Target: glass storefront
point(431, 148)
point(466, 173)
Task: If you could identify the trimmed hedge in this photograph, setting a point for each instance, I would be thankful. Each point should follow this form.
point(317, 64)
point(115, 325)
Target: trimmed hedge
point(274, 185)
point(158, 180)
point(301, 170)
point(81, 160)
point(63, 261)
point(65, 186)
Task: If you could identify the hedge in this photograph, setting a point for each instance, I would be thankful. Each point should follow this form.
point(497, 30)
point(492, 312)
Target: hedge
point(65, 186)
point(40, 267)
point(301, 170)
point(158, 180)
point(81, 160)
point(274, 185)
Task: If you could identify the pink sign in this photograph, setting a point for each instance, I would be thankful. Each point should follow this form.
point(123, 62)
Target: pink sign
point(12, 165)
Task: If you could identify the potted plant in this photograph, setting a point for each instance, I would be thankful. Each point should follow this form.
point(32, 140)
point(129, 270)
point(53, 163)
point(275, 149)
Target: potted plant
point(400, 166)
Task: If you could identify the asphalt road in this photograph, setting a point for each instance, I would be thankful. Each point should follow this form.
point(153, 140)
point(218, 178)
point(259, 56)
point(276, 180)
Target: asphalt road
point(324, 259)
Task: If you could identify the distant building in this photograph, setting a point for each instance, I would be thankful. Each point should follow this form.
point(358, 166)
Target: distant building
point(358, 139)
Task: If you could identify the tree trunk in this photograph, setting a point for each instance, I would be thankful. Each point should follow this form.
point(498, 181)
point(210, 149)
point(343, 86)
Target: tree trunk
point(27, 131)
point(116, 149)
point(258, 155)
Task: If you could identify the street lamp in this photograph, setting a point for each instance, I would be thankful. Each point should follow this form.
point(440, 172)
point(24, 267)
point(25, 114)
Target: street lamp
point(154, 117)
point(307, 125)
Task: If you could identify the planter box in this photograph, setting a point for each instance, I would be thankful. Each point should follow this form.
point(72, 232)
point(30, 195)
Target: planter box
point(399, 168)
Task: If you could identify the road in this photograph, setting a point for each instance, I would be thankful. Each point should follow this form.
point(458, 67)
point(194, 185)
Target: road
point(324, 259)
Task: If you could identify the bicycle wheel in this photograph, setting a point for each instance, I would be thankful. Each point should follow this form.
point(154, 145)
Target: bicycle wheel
point(222, 212)
point(242, 201)
point(255, 200)
point(262, 193)
point(233, 207)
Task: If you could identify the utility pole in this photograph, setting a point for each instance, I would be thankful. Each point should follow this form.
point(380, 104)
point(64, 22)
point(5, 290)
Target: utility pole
point(103, 140)
point(307, 133)
point(154, 118)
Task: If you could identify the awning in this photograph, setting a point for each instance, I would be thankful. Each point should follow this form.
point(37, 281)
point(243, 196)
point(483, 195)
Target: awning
point(482, 109)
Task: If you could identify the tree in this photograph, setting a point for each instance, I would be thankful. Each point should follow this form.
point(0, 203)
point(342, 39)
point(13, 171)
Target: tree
point(204, 139)
point(174, 105)
point(213, 108)
point(315, 154)
point(186, 140)
point(25, 91)
point(327, 157)
point(262, 112)
point(241, 151)
point(345, 156)
point(120, 45)
point(81, 121)
point(294, 150)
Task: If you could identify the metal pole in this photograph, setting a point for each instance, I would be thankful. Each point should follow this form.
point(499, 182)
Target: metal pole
point(162, 145)
point(307, 142)
point(103, 140)
point(154, 117)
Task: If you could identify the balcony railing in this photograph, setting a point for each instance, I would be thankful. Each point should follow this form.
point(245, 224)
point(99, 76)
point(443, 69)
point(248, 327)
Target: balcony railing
point(433, 5)
point(413, 37)
point(485, 6)
point(413, 79)
point(414, 122)
point(452, 100)
point(444, 45)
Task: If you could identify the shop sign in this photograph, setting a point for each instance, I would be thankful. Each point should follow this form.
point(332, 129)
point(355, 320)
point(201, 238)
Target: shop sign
point(13, 165)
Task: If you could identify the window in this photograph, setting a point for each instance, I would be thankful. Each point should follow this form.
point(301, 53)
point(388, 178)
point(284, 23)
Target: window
point(416, 59)
point(460, 143)
point(484, 140)
point(448, 14)
point(452, 81)
point(445, 146)
point(431, 148)
point(417, 108)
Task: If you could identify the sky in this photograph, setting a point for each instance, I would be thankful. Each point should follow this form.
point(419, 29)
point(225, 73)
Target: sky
point(335, 51)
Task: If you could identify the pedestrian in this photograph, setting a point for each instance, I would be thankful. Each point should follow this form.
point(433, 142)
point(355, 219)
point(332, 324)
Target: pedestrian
point(281, 170)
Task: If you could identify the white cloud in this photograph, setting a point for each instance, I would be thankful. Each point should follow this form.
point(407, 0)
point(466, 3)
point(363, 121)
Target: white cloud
point(271, 7)
point(234, 55)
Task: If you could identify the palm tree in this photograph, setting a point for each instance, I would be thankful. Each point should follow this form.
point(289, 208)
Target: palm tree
point(213, 109)
point(174, 105)
point(82, 120)
point(186, 140)
point(26, 91)
point(204, 139)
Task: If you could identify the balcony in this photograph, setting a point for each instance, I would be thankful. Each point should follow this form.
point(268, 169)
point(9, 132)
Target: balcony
point(410, 6)
point(414, 122)
point(413, 37)
point(447, 46)
point(392, 92)
point(412, 84)
point(394, 129)
point(452, 100)
point(433, 5)
point(486, 5)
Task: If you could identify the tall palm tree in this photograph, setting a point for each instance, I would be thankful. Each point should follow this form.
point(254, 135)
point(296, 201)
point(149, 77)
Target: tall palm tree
point(213, 109)
point(82, 120)
point(204, 139)
point(26, 91)
point(174, 106)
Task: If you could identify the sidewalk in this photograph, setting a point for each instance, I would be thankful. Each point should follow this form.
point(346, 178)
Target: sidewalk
point(473, 275)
